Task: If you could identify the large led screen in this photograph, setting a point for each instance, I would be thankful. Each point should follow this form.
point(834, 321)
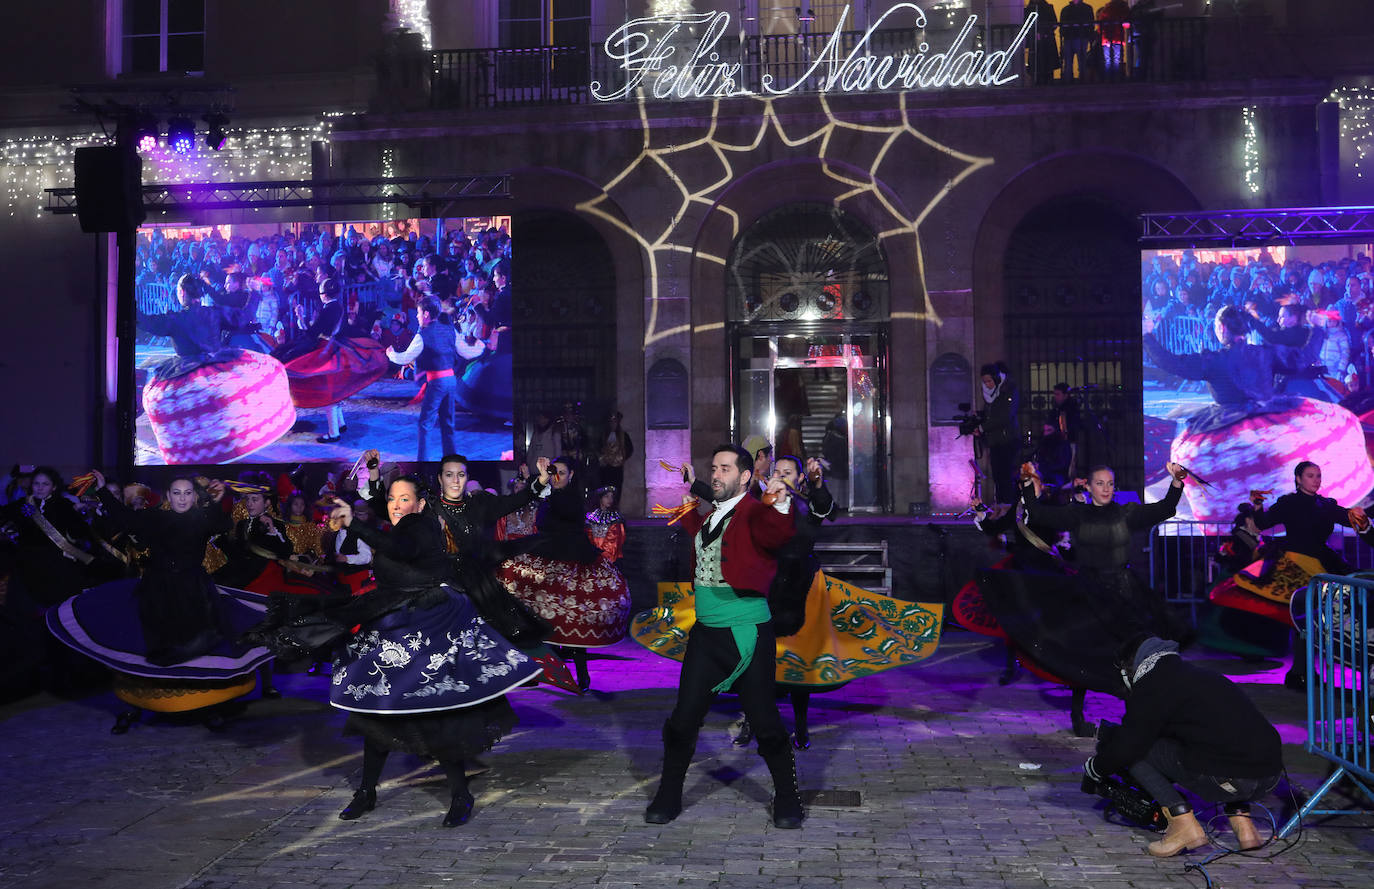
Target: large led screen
point(1256, 360)
point(308, 342)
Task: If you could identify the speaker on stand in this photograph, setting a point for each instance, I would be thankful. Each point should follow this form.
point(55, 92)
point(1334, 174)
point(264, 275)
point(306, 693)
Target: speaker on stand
point(109, 188)
point(109, 198)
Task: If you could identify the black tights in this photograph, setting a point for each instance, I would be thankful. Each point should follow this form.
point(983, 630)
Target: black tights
point(374, 757)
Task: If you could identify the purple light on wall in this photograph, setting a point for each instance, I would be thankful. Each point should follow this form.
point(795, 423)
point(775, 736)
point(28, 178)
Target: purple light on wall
point(147, 143)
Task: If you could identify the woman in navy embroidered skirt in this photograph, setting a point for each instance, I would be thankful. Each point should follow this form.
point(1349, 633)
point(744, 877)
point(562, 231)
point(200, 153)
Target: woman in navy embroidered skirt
point(424, 673)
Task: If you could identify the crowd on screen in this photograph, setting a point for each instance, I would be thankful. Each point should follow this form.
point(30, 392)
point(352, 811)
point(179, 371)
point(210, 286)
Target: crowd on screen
point(272, 283)
point(1325, 310)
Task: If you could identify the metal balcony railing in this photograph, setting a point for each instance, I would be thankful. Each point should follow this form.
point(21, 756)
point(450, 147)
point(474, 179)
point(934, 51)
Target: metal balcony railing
point(1168, 50)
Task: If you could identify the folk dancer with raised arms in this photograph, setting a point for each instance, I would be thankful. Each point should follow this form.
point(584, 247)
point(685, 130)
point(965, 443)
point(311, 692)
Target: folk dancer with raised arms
point(732, 643)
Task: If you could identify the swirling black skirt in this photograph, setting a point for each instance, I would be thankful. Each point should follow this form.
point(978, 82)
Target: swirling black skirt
point(1074, 625)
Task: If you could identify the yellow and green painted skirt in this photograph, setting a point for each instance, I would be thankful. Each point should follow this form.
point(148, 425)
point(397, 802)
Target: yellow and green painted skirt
point(849, 632)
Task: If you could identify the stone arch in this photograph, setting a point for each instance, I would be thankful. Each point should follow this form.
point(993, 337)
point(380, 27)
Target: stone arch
point(747, 200)
point(542, 193)
point(1129, 182)
point(1062, 234)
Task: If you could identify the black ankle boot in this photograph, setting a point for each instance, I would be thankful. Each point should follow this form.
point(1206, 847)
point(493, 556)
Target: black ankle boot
point(677, 756)
point(364, 801)
point(278, 613)
point(788, 812)
point(459, 810)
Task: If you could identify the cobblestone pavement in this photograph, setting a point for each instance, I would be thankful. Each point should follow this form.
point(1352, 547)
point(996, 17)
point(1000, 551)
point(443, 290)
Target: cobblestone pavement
point(954, 782)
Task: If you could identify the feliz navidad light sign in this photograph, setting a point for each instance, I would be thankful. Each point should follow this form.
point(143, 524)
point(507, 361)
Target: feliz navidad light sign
point(663, 55)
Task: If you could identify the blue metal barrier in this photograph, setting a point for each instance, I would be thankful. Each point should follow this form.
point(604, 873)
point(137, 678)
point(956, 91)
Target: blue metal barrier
point(1338, 659)
point(383, 296)
point(155, 298)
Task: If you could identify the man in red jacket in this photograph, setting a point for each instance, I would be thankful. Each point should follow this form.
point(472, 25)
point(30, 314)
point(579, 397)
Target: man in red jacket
point(732, 645)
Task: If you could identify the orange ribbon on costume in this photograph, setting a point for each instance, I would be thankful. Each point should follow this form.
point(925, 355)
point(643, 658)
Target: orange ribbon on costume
point(81, 484)
point(675, 513)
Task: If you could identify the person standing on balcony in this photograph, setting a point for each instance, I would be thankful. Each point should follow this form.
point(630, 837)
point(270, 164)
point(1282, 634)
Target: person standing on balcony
point(1075, 31)
point(1112, 25)
point(1045, 53)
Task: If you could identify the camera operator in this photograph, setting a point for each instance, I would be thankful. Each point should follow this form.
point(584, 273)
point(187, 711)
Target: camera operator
point(1189, 726)
point(1000, 430)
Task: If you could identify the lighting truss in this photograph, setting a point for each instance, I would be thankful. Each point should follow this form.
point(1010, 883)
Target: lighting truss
point(1236, 228)
point(414, 191)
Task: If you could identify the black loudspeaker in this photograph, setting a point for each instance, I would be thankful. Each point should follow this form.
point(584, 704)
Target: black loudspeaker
point(109, 188)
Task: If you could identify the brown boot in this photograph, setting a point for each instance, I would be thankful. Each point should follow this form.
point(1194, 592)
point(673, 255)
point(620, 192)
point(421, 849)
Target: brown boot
point(1184, 832)
point(1243, 826)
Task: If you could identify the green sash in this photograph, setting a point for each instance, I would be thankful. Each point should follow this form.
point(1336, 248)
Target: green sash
point(720, 606)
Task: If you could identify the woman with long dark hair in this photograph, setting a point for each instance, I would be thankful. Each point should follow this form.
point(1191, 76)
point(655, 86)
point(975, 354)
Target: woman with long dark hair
point(54, 544)
point(468, 517)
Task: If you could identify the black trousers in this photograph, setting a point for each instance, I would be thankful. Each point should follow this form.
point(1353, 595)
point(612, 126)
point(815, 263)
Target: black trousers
point(1163, 767)
point(712, 656)
point(1002, 462)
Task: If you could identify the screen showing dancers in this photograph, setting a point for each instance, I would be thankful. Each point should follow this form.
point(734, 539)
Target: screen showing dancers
point(1255, 360)
point(301, 342)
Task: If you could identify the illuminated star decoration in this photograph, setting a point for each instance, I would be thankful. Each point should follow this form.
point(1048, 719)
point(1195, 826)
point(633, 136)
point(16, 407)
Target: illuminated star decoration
point(700, 170)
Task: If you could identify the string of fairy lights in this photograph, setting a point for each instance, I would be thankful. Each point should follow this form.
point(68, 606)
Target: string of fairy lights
point(413, 15)
point(1252, 160)
point(1357, 121)
point(36, 162)
point(389, 172)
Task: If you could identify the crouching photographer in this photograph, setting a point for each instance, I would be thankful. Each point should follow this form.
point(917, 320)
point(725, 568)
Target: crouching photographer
point(1188, 726)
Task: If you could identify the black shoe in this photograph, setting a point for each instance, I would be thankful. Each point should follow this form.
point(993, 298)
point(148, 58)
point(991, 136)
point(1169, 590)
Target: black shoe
point(1009, 675)
point(1296, 680)
point(363, 801)
point(327, 439)
point(801, 741)
point(216, 722)
point(270, 694)
point(459, 811)
point(1084, 729)
point(343, 428)
point(123, 721)
point(666, 805)
point(746, 733)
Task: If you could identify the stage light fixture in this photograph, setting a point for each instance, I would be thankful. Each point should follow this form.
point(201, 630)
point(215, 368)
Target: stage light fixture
point(145, 134)
point(215, 137)
point(181, 135)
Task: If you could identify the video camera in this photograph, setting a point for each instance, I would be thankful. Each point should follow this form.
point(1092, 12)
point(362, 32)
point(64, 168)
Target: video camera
point(968, 420)
point(1131, 802)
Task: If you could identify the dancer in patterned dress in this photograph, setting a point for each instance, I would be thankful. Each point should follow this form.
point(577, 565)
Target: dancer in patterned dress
point(424, 673)
point(564, 579)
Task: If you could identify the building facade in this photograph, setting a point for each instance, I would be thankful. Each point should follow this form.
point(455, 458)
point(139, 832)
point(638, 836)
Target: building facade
point(821, 263)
